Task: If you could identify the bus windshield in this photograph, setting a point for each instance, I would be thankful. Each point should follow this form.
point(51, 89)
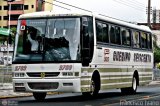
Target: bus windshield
point(46, 40)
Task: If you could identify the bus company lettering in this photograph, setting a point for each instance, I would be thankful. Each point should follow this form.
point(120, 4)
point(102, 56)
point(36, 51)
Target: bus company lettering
point(106, 55)
point(121, 56)
point(138, 57)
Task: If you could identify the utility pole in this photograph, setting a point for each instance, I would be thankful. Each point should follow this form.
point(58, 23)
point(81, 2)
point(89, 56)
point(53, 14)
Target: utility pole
point(149, 13)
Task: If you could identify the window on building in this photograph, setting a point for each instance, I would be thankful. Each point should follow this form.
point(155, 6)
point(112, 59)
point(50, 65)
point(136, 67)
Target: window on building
point(25, 7)
point(32, 6)
point(126, 36)
point(14, 17)
point(102, 32)
point(0, 18)
point(17, 7)
point(13, 26)
point(5, 26)
point(6, 8)
point(0, 7)
point(136, 39)
point(5, 17)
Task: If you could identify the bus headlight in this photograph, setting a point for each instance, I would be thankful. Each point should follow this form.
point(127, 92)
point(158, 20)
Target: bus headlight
point(67, 73)
point(19, 75)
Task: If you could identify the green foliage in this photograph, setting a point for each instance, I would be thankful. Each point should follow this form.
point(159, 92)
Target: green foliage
point(158, 66)
point(13, 31)
point(156, 53)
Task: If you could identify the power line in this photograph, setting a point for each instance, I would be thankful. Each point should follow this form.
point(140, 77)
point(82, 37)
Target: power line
point(82, 8)
point(56, 5)
point(129, 5)
point(72, 6)
point(133, 3)
point(136, 2)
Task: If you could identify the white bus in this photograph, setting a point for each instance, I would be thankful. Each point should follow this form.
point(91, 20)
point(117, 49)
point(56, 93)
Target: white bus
point(75, 52)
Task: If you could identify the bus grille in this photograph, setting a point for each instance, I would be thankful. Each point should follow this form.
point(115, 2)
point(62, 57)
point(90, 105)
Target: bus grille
point(47, 74)
point(43, 85)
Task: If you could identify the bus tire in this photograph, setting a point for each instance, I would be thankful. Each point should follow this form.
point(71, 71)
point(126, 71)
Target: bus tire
point(39, 96)
point(133, 89)
point(94, 86)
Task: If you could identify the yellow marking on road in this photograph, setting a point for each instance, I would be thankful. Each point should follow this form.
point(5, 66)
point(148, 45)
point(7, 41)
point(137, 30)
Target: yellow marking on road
point(146, 97)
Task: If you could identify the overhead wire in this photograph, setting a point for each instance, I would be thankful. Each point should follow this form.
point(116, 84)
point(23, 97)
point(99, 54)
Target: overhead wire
point(123, 3)
point(134, 3)
point(55, 5)
point(119, 1)
point(72, 6)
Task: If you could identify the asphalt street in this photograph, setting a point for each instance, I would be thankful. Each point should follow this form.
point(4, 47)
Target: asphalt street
point(148, 96)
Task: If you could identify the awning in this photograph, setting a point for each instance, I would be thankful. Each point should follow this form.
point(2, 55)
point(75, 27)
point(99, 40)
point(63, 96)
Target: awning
point(4, 31)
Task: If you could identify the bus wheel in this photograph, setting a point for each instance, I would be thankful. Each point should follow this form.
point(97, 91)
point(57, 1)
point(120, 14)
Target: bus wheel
point(39, 96)
point(134, 85)
point(131, 90)
point(94, 89)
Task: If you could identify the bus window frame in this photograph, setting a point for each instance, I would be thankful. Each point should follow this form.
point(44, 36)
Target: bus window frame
point(146, 40)
point(130, 33)
point(139, 32)
point(103, 44)
point(102, 22)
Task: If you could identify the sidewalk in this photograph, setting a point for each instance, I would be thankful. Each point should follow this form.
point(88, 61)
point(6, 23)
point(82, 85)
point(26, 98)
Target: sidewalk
point(6, 91)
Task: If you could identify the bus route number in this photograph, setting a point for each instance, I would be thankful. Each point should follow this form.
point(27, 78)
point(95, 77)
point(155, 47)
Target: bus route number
point(20, 68)
point(65, 67)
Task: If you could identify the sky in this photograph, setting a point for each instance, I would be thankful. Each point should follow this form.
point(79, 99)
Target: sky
point(127, 10)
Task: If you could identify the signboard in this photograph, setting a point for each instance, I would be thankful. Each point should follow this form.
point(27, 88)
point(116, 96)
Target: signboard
point(4, 31)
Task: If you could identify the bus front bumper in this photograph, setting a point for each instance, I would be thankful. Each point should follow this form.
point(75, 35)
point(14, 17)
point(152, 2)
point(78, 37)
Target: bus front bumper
point(47, 85)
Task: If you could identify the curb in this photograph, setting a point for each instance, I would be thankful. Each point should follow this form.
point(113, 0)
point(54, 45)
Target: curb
point(15, 96)
point(154, 83)
point(26, 95)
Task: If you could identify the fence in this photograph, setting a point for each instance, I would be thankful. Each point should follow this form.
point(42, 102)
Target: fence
point(5, 74)
point(156, 74)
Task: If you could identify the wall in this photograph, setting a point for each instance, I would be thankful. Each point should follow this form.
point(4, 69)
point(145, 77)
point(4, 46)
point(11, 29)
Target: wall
point(157, 33)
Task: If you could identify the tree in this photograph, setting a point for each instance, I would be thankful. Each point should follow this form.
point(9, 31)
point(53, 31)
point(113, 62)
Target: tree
point(156, 50)
point(13, 33)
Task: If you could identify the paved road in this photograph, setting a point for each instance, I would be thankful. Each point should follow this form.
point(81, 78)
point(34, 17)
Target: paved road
point(149, 96)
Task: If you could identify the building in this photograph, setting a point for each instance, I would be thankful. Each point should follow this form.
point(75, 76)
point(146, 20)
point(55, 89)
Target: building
point(156, 16)
point(14, 9)
point(18, 7)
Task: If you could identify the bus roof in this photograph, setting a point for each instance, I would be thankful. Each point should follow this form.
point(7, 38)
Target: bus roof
point(44, 14)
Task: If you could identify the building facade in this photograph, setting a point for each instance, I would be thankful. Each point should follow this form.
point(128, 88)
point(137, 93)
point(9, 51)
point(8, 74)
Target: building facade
point(18, 7)
point(156, 16)
point(14, 9)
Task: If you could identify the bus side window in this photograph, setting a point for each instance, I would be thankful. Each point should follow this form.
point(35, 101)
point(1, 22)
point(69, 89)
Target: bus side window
point(143, 40)
point(102, 32)
point(105, 33)
point(99, 31)
point(115, 35)
point(126, 37)
point(149, 41)
point(112, 34)
point(136, 40)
